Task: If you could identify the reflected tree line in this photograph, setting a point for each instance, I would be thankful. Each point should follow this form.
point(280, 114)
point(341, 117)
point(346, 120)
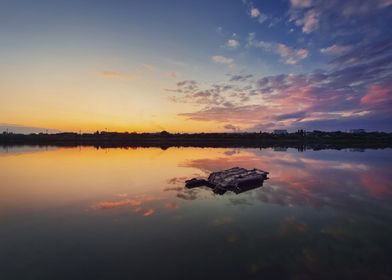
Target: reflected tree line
point(301, 140)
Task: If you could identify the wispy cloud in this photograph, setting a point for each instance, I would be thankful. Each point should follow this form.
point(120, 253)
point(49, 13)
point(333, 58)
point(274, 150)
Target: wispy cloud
point(148, 67)
point(259, 15)
point(172, 74)
point(232, 43)
point(240, 78)
point(288, 54)
point(112, 74)
point(223, 60)
point(231, 127)
point(336, 49)
point(310, 22)
point(377, 94)
point(301, 3)
point(255, 12)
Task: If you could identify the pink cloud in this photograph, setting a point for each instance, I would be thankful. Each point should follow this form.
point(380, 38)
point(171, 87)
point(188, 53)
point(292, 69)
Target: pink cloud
point(301, 3)
point(310, 21)
point(376, 94)
point(336, 49)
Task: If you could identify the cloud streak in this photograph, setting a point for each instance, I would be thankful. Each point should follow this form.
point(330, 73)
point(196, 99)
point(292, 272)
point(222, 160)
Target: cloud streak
point(336, 49)
point(223, 60)
point(111, 74)
point(287, 54)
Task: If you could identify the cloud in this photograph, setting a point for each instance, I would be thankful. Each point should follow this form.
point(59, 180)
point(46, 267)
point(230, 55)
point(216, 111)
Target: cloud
point(226, 94)
point(288, 54)
point(239, 114)
point(337, 21)
point(187, 86)
point(254, 12)
point(366, 53)
point(219, 29)
point(336, 49)
point(232, 43)
point(377, 94)
point(363, 7)
point(231, 127)
point(240, 78)
point(148, 67)
point(354, 91)
point(172, 74)
point(253, 43)
point(223, 60)
point(296, 115)
point(310, 22)
point(118, 75)
point(384, 3)
point(301, 3)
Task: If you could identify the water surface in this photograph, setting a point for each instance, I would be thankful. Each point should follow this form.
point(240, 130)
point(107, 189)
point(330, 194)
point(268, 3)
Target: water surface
point(87, 213)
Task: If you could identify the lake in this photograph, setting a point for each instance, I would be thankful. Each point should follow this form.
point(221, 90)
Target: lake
point(116, 213)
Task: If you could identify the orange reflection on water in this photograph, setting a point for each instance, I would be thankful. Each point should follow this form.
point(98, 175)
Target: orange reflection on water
point(132, 202)
point(59, 176)
point(137, 178)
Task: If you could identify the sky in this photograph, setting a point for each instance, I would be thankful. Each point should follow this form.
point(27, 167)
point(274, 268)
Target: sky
point(194, 66)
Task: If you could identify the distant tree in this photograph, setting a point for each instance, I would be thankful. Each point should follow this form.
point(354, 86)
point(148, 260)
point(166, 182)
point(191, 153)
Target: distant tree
point(164, 133)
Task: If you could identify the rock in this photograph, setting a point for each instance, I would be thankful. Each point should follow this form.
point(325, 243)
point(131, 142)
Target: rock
point(235, 179)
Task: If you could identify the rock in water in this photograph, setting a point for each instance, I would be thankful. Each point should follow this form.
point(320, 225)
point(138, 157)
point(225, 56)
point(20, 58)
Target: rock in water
point(235, 179)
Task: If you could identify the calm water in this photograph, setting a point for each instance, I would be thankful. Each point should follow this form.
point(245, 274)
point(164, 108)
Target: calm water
point(83, 213)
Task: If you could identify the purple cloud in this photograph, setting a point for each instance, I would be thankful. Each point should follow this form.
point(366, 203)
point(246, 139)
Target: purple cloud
point(328, 17)
point(355, 91)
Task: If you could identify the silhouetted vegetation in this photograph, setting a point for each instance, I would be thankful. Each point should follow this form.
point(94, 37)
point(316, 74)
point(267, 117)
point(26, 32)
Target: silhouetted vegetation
point(301, 140)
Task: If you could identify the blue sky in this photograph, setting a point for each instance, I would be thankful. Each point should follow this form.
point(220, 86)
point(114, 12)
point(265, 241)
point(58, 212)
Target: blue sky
point(196, 65)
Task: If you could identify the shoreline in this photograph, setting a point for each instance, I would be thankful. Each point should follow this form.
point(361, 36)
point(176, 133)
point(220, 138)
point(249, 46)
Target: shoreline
point(300, 141)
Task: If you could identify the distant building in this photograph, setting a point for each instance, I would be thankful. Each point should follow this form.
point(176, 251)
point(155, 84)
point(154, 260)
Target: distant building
point(357, 130)
point(280, 132)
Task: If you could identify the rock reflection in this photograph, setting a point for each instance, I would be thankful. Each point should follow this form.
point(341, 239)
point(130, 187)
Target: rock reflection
point(184, 193)
point(176, 180)
point(311, 179)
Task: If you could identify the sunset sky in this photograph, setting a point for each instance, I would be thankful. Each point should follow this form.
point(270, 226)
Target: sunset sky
point(191, 66)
